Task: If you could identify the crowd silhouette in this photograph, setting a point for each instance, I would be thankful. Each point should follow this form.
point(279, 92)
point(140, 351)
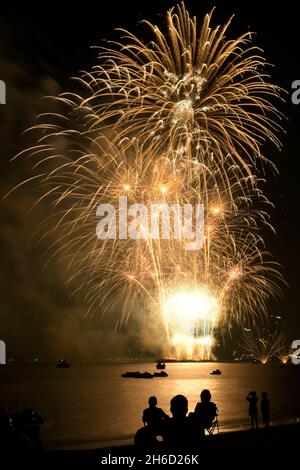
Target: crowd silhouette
point(180, 430)
point(183, 429)
point(21, 431)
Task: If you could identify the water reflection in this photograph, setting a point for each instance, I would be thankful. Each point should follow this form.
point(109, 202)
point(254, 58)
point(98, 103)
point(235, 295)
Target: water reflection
point(90, 406)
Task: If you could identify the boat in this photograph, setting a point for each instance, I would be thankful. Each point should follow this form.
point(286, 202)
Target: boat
point(160, 365)
point(62, 364)
point(216, 372)
point(138, 375)
point(162, 373)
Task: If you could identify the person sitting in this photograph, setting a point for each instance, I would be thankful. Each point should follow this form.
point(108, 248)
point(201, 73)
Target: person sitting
point(179, 431)
point(14, 442)
point(31, 423)
point(153, 416)
point(206, 411)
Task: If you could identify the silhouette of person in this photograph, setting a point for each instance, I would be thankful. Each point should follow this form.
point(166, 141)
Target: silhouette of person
point(252, 399)
point(206, 411)
point(265, 409)
point(153, 416)
point(179, 431)
point(13, 441)
point(30, 424)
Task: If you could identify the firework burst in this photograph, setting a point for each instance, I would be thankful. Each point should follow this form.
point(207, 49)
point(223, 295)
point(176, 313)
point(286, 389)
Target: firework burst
point(189, 89)
point(264, 348)
point(178, 121)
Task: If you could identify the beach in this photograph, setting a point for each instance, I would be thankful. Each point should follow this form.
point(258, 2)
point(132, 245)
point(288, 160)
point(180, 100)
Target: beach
point(239, 449)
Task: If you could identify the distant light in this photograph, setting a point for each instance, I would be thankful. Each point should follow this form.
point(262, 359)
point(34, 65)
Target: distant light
point(247, 329)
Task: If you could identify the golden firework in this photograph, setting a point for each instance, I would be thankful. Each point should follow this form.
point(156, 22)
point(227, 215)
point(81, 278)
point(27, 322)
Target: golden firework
point(264, 347)
point(190, 90)
point(178, 121)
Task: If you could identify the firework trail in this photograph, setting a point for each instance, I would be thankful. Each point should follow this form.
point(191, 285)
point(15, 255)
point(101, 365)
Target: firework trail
point(285, 351)
point(180, 120)
point(263, 348)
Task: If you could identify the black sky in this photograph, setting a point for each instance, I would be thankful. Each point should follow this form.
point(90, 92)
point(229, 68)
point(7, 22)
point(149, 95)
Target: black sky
point(37, 56)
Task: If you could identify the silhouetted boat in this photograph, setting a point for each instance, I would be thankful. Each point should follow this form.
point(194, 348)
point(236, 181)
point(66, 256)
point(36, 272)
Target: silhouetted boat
point(216, 372)
point(138, 375)
point(160, 365)
point(62, 364)
point(162, 373)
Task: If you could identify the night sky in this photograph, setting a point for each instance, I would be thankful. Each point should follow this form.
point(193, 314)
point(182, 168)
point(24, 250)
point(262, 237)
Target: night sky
point(38, 316)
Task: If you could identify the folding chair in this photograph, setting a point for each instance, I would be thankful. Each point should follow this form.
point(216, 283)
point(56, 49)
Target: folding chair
point(214, 425)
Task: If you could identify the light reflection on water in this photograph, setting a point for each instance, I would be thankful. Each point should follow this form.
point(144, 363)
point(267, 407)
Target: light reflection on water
point(93, 406)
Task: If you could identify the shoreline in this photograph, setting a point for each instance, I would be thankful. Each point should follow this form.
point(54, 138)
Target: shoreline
point(66, 445)
point(280, 442)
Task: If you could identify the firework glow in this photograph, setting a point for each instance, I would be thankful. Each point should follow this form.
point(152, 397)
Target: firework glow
point(179, 120)
point(263, 348)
